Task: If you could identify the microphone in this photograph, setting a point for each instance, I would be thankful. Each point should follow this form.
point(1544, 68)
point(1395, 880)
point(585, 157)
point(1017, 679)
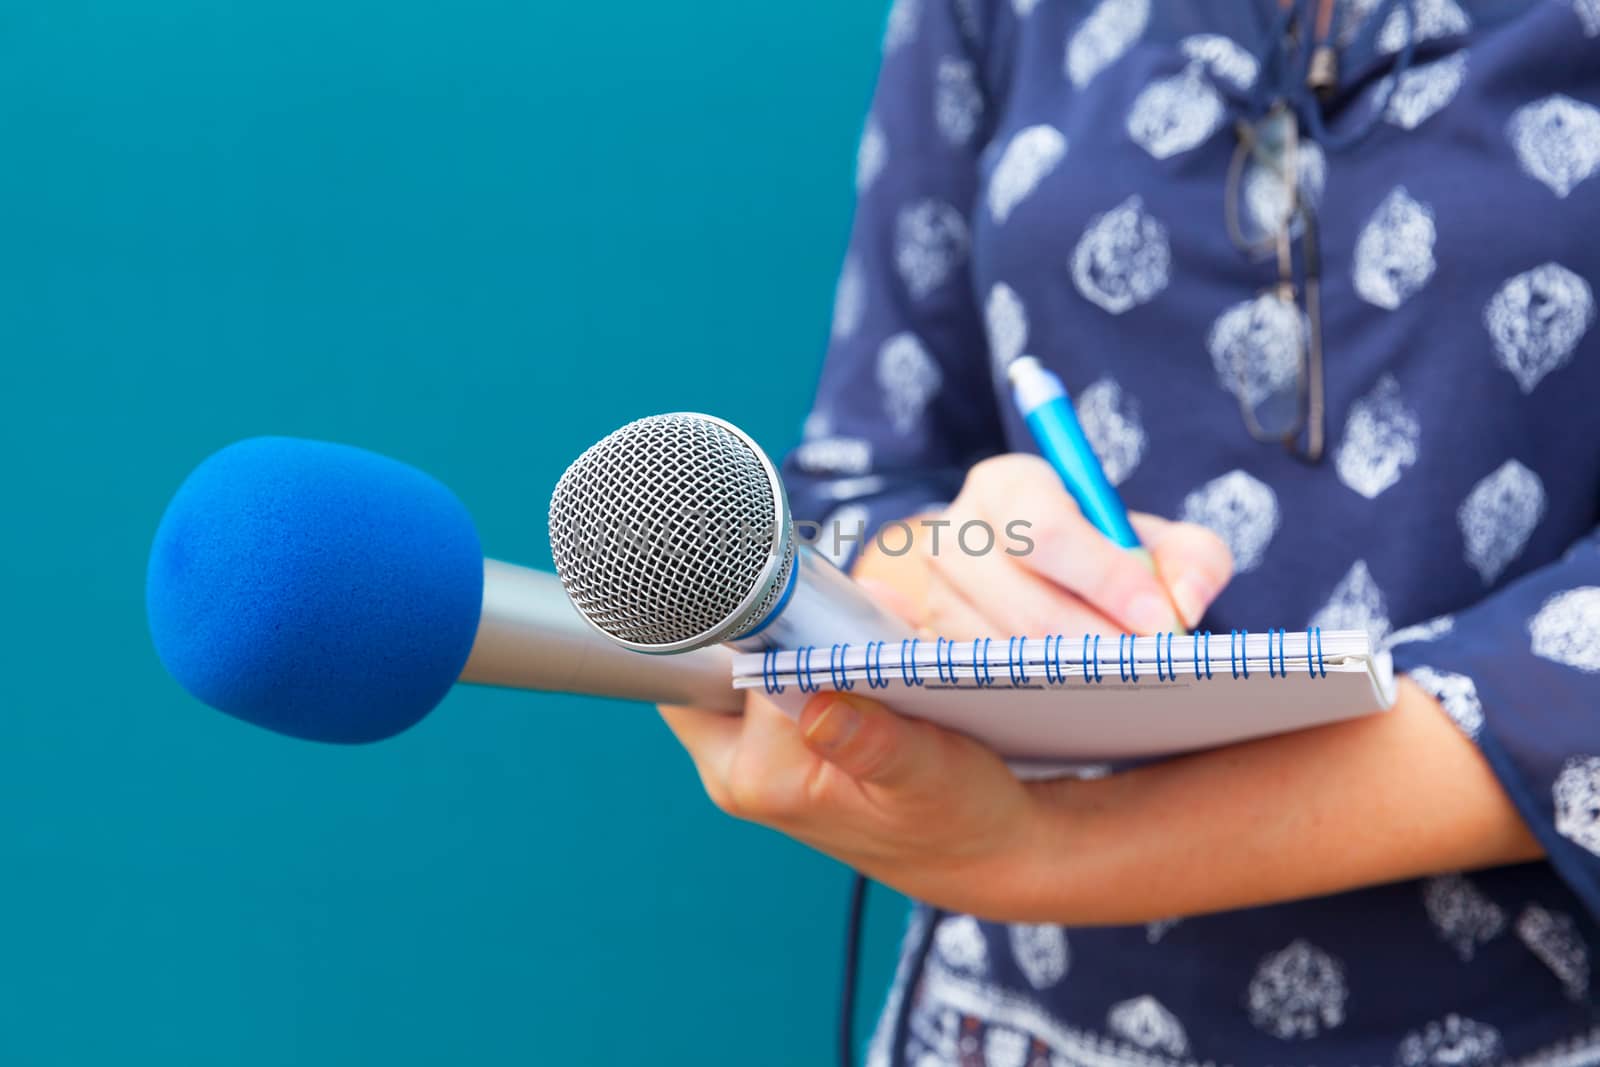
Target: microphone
point(333, 594)
point(673, 533)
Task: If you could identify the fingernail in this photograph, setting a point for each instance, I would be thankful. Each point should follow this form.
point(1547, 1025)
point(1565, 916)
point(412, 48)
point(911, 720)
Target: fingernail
point(833, 725)
point(1192, 594)
point(1150, 613)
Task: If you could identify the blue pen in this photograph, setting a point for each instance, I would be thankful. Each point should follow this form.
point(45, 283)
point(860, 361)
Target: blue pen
point(1042, 401)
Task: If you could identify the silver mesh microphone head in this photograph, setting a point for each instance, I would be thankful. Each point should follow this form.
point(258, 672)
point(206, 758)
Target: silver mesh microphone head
point(672, 533)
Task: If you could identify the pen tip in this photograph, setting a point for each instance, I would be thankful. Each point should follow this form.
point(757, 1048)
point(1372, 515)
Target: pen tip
point(1020, 366)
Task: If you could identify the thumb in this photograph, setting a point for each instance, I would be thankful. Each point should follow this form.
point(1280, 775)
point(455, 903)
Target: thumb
point(869, 742)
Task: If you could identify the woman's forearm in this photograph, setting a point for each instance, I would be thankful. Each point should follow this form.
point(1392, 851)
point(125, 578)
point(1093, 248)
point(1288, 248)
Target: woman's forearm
point(1388, 797)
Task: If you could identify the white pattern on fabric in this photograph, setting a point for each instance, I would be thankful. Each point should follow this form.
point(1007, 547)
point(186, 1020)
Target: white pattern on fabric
point(1576, 794)
point(1557, 141)
point(1451, 1042)
point(1029, 156)
point(1394, 254)
point(834, 455)
point(1005, 321)
point(1223, 57)
point(1111, 423)
point(1462, 915)
point(1421, 20)
point(1298, 992)
point(1422, 92)
point(1536, 319)
point(960, 944)
point(849, 300)
point(904, 17)
point(1145, 1022)
point(1588, 12)
point(1103, 37)
point(1041, 952)
point(1499, 516)
point(909, 378)
point(1380, 440)
point(1123, 258)
point(1005, 1047)
point(872, 154)
point(1555, 939)
point(1566, 629)
point(1255, 347)
point(1240, 509)
point(1176, 113)
point(1155, 931)
point(958, 104)
point(930, 245)
point(1430, 630)
point(1024, 8)
point(1356, 603)
point(1456, 693)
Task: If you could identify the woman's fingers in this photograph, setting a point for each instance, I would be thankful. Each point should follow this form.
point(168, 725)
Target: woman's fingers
point(710, 738)
point(1014, 600)
point(1068, 551)
point(1193, 561)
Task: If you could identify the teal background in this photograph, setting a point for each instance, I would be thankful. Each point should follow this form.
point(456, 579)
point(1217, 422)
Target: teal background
point(476, 237)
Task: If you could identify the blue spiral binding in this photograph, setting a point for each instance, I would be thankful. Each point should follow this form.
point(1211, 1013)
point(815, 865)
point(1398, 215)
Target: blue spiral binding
point(908, 664)
point(1017, 660)
point(802, 674)
point(1055, 673)
point(769, 672)
point(882, 682)
point(1129, 668)
point(836, 672)
point(986, 678)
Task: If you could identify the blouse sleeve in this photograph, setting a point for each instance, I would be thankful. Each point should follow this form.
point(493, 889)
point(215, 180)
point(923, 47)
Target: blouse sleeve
point(1520, 673)
point(905, 403)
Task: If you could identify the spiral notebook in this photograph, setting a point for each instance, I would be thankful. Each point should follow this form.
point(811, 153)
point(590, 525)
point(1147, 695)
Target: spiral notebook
point(1095, 698)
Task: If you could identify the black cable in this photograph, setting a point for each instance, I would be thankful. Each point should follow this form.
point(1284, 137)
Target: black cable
point(852, 964)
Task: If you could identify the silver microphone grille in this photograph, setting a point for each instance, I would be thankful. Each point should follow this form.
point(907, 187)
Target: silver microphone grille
point(672, 533)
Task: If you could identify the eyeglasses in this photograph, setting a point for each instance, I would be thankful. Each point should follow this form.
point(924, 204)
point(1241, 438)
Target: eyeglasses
point(1277, 373)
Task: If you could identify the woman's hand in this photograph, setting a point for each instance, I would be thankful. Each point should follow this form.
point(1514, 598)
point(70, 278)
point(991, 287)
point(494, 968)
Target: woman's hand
point(1071, 580)
point(927, 811)
point(930, 812)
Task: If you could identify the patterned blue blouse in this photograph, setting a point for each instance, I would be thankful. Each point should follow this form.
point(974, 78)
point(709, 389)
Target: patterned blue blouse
point(1049, 177)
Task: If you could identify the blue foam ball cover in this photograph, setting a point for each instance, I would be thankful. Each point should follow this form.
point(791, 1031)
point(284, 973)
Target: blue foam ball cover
point(319, 590)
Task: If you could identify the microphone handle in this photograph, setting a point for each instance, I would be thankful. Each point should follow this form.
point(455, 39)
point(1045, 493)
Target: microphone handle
point(823, 608)
point(531, 637)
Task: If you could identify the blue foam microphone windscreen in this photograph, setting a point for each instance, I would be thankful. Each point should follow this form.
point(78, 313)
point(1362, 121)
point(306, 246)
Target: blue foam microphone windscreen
point(316, 589)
